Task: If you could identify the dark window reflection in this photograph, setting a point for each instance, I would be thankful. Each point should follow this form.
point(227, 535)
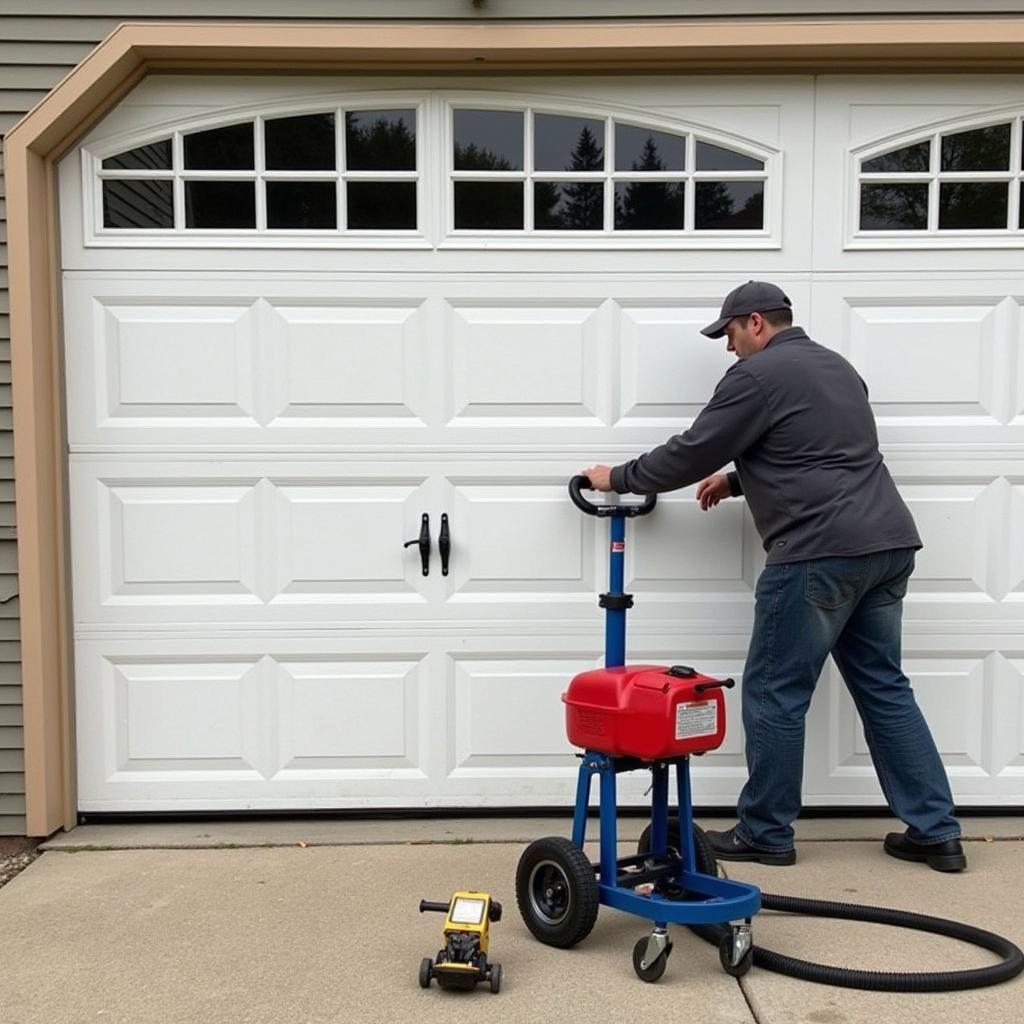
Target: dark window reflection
point(649, 205)
point(384, 205)
point(302, 204)
point(138, 204)
point(1021, 218)
point(973, 204)
point(910, 158)
point(893, 207)
point(981, 149)
point(220, 149)
point(569, 206)
point(300, 143)
point(380, 140)
point(567, 143)
point(488, 140)
point(715, 158)
point(489, 205)
point(220, 204)
point(637, 149)
point(729, 206)
point(154, 157)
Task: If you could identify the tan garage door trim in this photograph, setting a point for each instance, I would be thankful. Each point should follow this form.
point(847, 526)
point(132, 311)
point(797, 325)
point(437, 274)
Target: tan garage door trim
point(116, 65)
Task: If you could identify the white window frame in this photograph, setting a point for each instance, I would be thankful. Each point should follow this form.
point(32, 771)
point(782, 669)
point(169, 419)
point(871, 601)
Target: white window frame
point(434, 178)
point(688, 238)
point(93, 176)
point(1010, 237)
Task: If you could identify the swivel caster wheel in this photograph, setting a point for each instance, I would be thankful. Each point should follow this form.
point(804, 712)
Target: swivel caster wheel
point(650, 956)
point(736, 950)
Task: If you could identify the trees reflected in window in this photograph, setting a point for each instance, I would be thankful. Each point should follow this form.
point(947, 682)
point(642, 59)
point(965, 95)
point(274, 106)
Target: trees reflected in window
point(488, 140)
point(893, 207)
point(650, 206)
point(489, 206)
point(380, 140)
point(305, 143)
point(568, 206)
point(382, 205)
point(943, 160)
point(729, 206)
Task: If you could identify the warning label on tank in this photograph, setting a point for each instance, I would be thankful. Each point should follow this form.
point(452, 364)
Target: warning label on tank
point(698, 719)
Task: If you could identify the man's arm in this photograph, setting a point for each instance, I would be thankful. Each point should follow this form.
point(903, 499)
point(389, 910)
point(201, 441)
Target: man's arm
point(729, 424)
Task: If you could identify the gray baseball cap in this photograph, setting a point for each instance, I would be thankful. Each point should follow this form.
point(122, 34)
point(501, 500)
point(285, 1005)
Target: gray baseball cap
point(752, 297)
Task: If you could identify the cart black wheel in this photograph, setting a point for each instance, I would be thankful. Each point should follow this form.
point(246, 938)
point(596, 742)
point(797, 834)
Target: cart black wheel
point(705, 858)
point(556, 890)
point(652, 972)
point(426, 970)
point(495, 978)
point(725, 948)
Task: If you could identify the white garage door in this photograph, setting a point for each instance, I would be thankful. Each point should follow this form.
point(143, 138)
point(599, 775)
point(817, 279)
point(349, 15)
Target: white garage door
point(301, 315)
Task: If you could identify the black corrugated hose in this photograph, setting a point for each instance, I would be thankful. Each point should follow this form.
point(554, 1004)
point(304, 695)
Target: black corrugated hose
point(881, 981)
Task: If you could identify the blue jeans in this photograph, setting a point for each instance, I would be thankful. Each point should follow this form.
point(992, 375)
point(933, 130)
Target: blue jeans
point(851, 608)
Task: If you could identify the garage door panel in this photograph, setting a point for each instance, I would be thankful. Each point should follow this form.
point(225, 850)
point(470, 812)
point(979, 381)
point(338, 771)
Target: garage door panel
point(164, 361)
point(348, 365)
point(172, 541)
point(337, 715)
point(699, 556)
point(666, 368)
point(506, 712)
point(517, 540)
point(344, 541)
point(934, 354)
point(194, 717)
point(515, 365)
point(179, 541)
point(239, 723)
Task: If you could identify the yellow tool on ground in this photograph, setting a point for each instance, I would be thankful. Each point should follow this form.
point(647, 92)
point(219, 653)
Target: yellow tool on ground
point(462, 963)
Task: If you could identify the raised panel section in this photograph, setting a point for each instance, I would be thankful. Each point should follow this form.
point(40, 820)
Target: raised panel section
point(348, 365)
point(1008, 721)
point(344, 541)
point(1015, 529)
point(667, 370)
point(182, 716)
point(684, 551)
point(953, 522)
point(523, 364)
point(205, 723)
point(507, 713)
point(159, 361)
point(342, 715)
point(177, 541)
point(514, 539)
point(926, 358)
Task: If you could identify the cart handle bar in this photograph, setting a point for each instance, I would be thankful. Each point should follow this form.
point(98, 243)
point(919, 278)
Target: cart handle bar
point(580, 483)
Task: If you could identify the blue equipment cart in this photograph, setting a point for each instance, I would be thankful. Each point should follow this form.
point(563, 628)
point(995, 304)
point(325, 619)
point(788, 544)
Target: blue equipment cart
point(673, 877)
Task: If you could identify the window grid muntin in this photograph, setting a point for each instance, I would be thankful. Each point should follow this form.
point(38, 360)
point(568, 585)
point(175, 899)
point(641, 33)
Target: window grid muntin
point(179, 175)
point(687, 177)
point(934, 178)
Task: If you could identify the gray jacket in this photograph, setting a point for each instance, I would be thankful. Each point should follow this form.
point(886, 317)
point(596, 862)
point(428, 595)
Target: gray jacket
point(796, 421)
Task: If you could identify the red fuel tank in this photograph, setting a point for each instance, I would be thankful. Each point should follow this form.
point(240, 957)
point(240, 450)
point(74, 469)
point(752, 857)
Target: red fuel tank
point(650, 712)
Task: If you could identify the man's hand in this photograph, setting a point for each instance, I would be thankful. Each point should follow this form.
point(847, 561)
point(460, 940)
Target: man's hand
point(712, 490)
point(600, 477)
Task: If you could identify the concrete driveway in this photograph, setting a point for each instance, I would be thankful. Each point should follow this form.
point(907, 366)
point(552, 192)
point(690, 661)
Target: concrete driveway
point(317, 921)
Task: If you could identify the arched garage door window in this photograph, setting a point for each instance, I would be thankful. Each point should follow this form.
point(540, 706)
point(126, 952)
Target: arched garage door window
point(431, 166)
point(959, 183)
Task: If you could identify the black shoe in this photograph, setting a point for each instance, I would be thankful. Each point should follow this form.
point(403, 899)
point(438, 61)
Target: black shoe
point(945, 856)
point(729, 846)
